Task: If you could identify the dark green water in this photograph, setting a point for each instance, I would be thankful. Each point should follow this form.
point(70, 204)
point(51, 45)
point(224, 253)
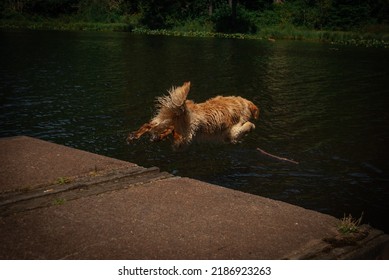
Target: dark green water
point(323, 105)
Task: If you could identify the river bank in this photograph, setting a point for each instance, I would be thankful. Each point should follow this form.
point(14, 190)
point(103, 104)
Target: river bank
point(119, 210)
point(374, 36)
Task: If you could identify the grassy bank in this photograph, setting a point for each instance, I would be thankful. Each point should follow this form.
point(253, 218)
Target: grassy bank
point(63, 24)
point(374, 36)
point(272, 33)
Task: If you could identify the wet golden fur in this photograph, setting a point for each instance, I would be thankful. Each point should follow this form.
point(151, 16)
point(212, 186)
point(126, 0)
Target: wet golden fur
point(220, 119)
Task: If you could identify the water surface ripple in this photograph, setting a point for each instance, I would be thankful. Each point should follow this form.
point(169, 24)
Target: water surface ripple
point(322, 105)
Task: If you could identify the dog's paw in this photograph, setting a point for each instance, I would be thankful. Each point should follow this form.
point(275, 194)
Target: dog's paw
point(131, 137)
point(155, 138)
point(247, 127)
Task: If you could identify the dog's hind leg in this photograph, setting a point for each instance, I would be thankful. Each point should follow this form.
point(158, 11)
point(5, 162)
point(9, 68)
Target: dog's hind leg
point(239, 130)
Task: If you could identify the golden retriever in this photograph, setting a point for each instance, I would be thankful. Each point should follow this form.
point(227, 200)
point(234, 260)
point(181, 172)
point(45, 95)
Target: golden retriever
point(219, 119)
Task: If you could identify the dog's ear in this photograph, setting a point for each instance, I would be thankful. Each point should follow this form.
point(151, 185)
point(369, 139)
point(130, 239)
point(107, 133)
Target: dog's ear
point(179, 94)
point(186, 88)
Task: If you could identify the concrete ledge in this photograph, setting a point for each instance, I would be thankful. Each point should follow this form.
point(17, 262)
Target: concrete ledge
point(26, 162)
point(129, 212)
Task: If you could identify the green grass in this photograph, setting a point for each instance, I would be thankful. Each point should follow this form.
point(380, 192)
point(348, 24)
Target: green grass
point(276, 33)
point(59, 201)
point(369, 36)
point(194, 26)
point(63, 180)
point(178, 33)
point(66, 23)
point(363, 38)
point(348, 224)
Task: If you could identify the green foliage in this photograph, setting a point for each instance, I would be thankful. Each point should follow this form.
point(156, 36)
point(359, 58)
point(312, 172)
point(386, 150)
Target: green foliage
point(248, 16)
point(261, 18)
point(226, 22)
point(44, 8)
point(347, 16)
point(100, 10)
point(158, 14)
point(195, 25)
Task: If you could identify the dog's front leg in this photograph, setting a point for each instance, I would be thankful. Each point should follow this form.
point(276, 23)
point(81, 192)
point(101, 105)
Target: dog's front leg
point(178, 140)
point(142, 130)
point(239, 130)
point(163, 134)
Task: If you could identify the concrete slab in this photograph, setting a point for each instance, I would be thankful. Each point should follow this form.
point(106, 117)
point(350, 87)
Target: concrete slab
point(26, 162)
point(165, 217)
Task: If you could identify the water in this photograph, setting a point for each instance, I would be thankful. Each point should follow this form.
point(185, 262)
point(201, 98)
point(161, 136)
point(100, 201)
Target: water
point(322, 105)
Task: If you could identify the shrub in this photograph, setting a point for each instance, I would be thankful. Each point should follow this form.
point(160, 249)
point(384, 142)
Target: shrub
point(224, 22)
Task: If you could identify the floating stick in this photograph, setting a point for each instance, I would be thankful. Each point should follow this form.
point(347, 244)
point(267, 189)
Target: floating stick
point(277, 157)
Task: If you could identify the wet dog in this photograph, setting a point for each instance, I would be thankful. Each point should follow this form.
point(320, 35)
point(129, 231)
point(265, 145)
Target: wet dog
point(219, 119)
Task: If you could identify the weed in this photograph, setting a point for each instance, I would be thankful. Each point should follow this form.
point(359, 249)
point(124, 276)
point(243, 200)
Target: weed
point(63, 180)
point(59, 201)
point(348, 224)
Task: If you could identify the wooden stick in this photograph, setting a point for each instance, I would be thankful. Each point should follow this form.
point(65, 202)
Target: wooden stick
point(277, 157)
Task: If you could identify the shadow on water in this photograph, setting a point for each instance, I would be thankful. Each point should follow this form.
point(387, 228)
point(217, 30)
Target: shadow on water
point(321, 105)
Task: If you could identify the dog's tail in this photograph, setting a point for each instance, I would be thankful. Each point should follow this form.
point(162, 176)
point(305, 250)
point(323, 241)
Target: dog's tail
point(175, 101)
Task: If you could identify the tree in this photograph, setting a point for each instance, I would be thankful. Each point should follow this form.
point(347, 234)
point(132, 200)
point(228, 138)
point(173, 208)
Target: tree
point(233, 4)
